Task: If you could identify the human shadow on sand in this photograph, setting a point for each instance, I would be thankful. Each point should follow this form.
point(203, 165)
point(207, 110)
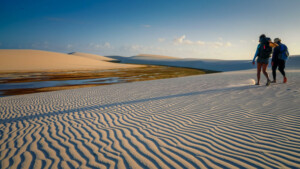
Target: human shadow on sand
point(86, 108)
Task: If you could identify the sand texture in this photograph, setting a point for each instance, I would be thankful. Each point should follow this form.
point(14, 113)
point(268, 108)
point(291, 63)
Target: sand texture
point(210, 121)
point(36, 60)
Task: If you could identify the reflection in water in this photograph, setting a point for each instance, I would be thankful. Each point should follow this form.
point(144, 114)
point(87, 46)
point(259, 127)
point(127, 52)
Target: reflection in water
point(42, 84)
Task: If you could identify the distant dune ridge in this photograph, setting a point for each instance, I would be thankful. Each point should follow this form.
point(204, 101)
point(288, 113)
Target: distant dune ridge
point(209, 64)
point(149, 56)
point(37, 60)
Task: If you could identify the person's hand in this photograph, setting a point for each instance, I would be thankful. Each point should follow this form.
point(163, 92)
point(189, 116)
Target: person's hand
point(253, 62)
point(272, 63)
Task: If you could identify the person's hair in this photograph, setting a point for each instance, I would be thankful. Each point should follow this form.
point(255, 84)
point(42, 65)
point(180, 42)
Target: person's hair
point(277, 40)
point(261, 37)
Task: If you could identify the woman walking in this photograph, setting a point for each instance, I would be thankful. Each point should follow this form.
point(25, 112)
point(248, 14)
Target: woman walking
point(263, 52)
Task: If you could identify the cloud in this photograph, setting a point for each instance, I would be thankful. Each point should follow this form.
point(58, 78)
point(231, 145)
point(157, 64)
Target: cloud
point(188, 42)
point(179, 40)
point(161, 39)
point(100, 46)
point(228, 44)
point(200, 42)
point(135, 47)
point(182, 40)
point(217, 44)
point(220, 44)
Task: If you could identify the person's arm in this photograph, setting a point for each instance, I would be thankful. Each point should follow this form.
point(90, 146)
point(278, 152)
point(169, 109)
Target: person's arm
point(273, 45)
point(256, 54)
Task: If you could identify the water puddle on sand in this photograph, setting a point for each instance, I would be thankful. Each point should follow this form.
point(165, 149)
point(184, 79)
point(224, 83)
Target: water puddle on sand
point(43, 84)
point(19, 83)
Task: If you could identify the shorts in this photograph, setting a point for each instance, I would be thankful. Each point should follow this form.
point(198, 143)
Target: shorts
point(263, 60)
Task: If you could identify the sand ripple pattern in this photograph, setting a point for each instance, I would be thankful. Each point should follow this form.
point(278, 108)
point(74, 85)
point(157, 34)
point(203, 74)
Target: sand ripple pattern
point(190, 122)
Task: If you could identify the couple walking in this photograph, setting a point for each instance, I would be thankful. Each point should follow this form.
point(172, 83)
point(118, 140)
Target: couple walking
point(264, 51)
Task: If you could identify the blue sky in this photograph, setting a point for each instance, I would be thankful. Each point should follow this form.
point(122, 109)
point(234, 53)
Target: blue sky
point(220, 29)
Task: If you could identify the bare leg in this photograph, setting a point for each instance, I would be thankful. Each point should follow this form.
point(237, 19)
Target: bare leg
point(265, 66)
point(258, 72)
point(266, 74)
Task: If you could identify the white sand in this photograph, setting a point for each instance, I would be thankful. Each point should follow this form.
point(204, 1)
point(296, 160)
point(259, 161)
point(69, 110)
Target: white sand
point(36, 60)
point(211, 121)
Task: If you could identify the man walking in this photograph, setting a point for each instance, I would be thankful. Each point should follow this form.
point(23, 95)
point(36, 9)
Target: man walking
point(278, 59)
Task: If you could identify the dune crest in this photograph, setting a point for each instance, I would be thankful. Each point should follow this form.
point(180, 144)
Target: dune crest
point(150, 56)
point(92, 56)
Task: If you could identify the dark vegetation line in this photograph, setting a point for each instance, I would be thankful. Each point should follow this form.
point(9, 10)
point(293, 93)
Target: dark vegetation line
point(149, 72)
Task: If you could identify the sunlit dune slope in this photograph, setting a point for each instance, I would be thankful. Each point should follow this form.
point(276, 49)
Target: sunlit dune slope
point(37, 60)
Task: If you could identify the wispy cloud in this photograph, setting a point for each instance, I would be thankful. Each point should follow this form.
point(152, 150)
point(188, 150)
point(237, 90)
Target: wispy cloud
point(183, 40)
point(100, 46)
point(228, 44)
point(217, 44)
point(199, 42)
point(161, 39)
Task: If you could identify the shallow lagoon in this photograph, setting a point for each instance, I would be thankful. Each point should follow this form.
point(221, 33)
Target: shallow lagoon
point(43, 84)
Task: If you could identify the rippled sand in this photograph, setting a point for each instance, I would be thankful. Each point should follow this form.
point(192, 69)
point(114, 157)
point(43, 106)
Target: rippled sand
point(211, 121)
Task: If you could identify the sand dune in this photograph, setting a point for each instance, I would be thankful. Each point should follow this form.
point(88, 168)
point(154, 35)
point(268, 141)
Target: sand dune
point(211, 121)
point(209, 64)
point(150, 57)
point(36, 60)
point(92, 56)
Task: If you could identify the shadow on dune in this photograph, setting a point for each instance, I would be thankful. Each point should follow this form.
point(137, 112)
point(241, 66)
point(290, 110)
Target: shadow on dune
point(86, 108)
